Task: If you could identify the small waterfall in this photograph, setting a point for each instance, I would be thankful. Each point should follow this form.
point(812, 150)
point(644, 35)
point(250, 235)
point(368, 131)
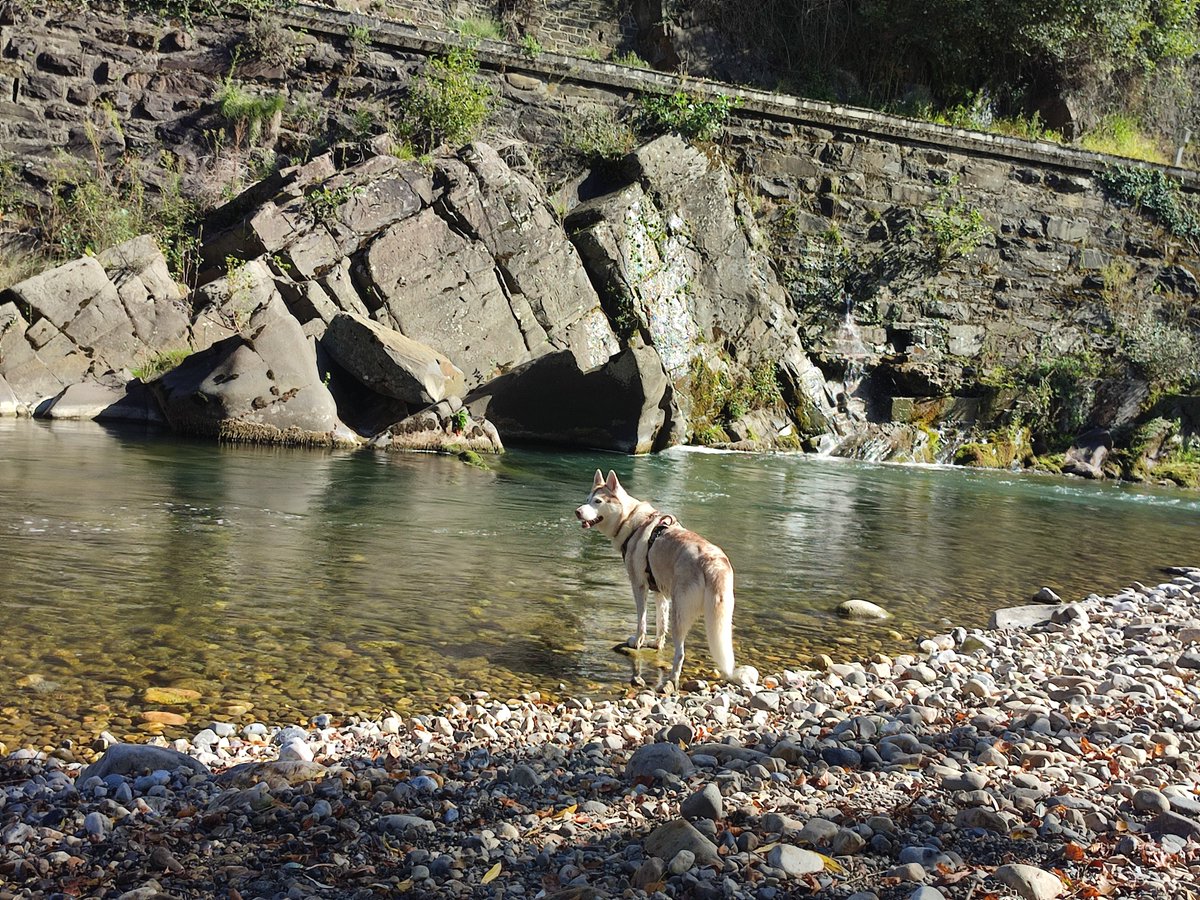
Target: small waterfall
point(851, 416)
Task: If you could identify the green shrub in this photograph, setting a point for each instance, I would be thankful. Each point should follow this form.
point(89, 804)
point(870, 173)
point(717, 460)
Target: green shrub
point(720, 397)
point(531, 47)
point(479, 28)
point(245, 111)
point(447, 103)
point(631, 59)
point(684, 113)
point(323, 203)
point(1054, 396)
point(952, 227)
point(597, 135)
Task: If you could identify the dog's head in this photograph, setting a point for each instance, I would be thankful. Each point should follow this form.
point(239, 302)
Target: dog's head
point(605, 506)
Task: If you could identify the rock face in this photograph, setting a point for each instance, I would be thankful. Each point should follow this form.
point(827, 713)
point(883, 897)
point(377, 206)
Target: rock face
point(680, 270)
point(263, 386)
point(624, 405)
point(87, 318)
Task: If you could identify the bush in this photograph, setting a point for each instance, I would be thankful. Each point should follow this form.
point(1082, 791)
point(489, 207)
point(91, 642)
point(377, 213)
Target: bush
point(952, 228)
point(447, 103)
point(597, 135)
point(246, 112)
point(478, 28)
point(681, 112)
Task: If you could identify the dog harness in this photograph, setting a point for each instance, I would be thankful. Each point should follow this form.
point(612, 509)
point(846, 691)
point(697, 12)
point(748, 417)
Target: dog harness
point(662, 525)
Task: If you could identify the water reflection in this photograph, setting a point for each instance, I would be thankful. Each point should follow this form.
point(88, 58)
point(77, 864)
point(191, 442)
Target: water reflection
point(277, 582)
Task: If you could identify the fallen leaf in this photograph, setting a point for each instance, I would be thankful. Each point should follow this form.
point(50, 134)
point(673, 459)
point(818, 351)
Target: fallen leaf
point(490, 875)
point(832, 865)
point(1074, 853)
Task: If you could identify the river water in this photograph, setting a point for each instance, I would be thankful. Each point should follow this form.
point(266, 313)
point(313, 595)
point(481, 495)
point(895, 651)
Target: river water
point(277, 583)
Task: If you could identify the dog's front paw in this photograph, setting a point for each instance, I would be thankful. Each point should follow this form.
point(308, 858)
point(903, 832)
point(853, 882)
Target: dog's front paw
point(660, 642)
point(636, 641)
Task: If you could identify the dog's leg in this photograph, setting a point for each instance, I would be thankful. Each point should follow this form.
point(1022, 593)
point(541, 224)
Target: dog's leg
point(662, 611)
point(685, 607)
point(639, 600)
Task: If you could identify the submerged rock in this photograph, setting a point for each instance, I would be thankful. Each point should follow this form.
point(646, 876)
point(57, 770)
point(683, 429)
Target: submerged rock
point(861, 609)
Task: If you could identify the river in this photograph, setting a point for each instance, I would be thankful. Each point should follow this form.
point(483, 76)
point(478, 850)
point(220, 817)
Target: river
point(277, 583)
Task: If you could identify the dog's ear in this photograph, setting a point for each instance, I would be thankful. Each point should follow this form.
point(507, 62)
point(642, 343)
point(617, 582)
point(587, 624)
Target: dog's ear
point(599, 480)
point(612, 484)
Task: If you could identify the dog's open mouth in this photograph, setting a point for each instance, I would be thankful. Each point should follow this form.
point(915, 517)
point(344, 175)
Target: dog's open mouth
point(591, 523)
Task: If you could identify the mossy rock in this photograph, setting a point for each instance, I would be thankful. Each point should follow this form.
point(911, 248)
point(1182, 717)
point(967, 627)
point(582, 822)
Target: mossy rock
point(1050, 462)
point(1001, 452)
point(1184, 474)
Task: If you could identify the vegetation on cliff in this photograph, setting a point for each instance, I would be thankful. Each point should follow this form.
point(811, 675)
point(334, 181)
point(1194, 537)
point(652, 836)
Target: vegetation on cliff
point(1121, 69)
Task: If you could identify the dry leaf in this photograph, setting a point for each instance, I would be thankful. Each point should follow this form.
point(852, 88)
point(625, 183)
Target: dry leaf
point(832, 865)
point(490, 875)
point(1074, 853)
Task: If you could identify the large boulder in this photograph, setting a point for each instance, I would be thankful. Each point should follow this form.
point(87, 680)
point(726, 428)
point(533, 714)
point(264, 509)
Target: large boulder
point(89, 317)
point(679, 267)
point(155, 304)
point(261, 386)
point(29, 376)
point(111, 399)
point(439, 287)
point(539, 267)
point(391, 364)
point(9, 404)
point(624, 405)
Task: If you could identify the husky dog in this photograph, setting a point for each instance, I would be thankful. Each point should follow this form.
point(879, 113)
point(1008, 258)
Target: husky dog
point(686, 573)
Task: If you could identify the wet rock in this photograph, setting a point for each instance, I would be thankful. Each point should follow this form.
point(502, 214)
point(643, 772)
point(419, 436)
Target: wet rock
point(862, 609)
point(445, 427)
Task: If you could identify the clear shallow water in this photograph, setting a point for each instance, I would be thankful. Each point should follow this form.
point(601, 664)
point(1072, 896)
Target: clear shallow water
point(278, 583)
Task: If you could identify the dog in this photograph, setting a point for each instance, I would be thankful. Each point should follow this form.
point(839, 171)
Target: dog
point(687, 574)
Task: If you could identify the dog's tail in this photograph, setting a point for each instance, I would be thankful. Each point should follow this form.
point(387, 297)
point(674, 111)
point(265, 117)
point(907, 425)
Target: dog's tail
point(719, 625)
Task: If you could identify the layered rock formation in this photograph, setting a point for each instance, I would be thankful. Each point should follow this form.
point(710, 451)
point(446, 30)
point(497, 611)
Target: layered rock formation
point(336, 304)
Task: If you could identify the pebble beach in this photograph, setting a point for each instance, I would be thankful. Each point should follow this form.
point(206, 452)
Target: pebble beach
point(1055, 755)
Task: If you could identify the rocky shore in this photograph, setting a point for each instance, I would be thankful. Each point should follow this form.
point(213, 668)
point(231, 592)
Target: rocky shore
point(1053, 756)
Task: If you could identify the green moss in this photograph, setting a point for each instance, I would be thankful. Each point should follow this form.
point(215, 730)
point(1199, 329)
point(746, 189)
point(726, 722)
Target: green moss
point(1000, 451)
point(1182, 472)
point(471, 458)
point(1050, 462)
